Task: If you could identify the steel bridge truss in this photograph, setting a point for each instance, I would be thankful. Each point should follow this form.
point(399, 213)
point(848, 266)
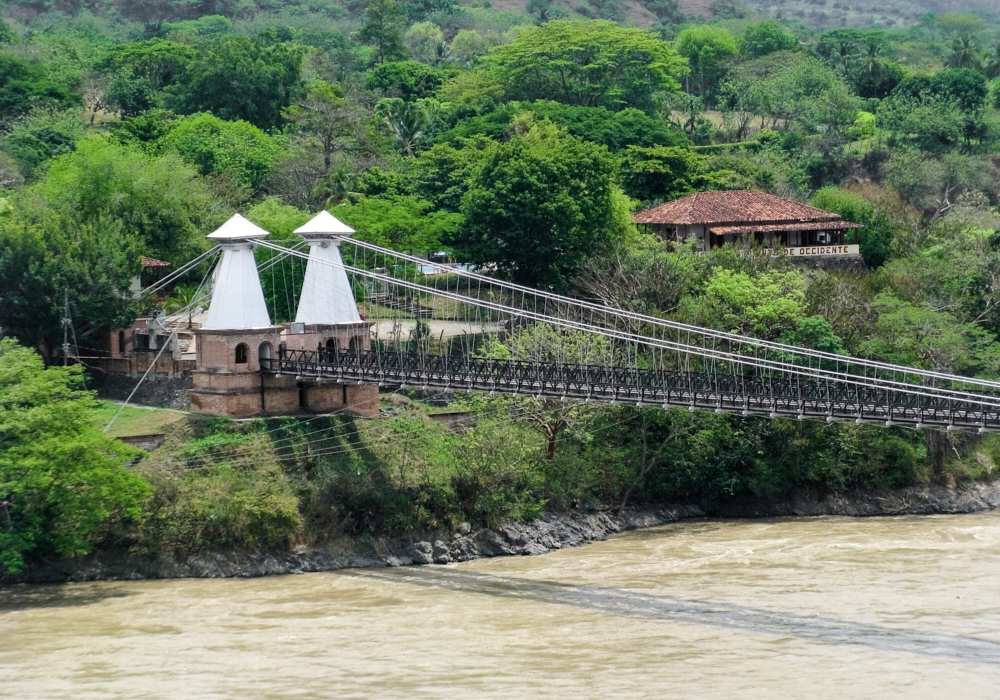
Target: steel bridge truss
point(750, 394)
point(696, 352)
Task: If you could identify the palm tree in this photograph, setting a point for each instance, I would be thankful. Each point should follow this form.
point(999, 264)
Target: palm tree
point(843, 55)
point(963, 52)
point(337, 187)
point(991, 67)
point(871, 60)
point(184, 298)
point(441, 54)
point(404, 121)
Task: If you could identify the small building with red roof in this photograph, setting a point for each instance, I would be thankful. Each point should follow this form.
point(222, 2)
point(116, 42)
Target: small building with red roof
point(716, 218)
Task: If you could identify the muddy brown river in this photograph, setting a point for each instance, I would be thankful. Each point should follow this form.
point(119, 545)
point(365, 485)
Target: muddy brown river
point(904, 607)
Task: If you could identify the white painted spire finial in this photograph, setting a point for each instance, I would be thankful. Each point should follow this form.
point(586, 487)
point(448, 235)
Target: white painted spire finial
point(236, 229)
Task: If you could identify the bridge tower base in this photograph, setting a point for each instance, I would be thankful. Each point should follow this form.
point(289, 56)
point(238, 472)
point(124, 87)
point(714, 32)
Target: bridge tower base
point(228, 381)
point(325, 396)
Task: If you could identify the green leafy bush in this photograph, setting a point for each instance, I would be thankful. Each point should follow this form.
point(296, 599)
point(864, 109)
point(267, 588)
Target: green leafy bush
point(236, 148)
point(63, 486)
point(876, 237)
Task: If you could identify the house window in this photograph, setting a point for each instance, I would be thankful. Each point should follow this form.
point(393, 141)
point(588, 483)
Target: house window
point(121, 341)
point(241, 354)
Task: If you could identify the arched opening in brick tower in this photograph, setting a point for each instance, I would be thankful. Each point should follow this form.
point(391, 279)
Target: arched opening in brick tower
point(264, 354)
point(241, 354)
point(331, 349)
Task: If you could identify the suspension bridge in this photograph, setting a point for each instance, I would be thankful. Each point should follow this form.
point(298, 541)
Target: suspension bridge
point(370, 316)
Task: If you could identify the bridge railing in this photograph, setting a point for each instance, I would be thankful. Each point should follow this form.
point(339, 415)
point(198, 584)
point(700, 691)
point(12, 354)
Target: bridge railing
point(743, 393)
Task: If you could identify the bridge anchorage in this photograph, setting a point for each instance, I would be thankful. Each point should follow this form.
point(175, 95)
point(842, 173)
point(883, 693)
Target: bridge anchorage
point(370, 317)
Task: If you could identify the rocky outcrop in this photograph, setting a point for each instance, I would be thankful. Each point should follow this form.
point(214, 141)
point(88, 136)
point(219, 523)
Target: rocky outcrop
point(551, 532)
point(545, 534)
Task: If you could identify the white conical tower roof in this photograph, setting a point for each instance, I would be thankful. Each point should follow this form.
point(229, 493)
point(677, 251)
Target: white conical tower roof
point(237, 298)
point(324, 224)
point(237, 228)
point(327, 297)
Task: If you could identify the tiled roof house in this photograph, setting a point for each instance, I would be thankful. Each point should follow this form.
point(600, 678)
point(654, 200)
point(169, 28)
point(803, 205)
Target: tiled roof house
point(717, 218)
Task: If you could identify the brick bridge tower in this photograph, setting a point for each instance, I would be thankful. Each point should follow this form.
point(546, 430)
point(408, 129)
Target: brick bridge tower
point(238, 336)
point(238, 347)
point(328, 319)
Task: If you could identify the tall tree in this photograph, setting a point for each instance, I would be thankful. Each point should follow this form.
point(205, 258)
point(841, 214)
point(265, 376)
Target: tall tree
point(991, 66)
point(964, 52)
point(928, 20)
point(765, 38)
point(215, 146)
point(159, 198)
point(544, 10)
point(467, 46)
point(62, 483)
point(329, 124)
point(139, 71)
point(52, 258)
point(708, 49)
point(25, 86)
point(871, 60)
point(7, 35)
point(235, 77)
point(404, 122)
point(423, 40)
point(383, 30)
point(592, 64)
point(540, 203)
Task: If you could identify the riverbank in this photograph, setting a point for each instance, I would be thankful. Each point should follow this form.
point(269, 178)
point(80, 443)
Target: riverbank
point(548, 533)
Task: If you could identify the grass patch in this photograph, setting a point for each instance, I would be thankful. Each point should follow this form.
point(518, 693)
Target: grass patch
point(135, 420)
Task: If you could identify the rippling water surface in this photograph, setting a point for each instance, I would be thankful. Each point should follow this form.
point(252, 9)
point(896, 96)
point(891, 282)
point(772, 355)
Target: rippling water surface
point(792, 608)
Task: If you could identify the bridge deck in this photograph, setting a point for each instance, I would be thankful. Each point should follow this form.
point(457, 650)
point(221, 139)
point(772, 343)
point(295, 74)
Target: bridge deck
point(724, 392)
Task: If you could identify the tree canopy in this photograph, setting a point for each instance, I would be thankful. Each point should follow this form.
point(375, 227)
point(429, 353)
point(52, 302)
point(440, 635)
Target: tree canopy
point(62, 483)
point(766, 38)
point(592, 64)
point(235, 78)
point(538, 204)
point(707, 50)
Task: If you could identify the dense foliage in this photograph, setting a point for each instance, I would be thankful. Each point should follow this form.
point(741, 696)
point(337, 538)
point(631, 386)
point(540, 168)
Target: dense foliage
point(62, 484)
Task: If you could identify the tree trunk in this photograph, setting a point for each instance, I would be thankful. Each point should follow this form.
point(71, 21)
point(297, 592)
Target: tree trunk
point(551, 433)
point(935, 450)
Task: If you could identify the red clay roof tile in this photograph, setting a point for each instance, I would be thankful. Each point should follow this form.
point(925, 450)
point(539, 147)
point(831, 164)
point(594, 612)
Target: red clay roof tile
point(775, 228)
point(731, 207)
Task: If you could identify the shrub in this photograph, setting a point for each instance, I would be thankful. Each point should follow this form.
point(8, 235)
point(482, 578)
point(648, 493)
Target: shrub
point(875, 238)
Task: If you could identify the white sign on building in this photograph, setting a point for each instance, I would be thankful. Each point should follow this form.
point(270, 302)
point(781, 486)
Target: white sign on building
point(818, 251)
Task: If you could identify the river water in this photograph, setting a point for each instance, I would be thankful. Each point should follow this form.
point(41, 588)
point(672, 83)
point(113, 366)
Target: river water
point(905, 607)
